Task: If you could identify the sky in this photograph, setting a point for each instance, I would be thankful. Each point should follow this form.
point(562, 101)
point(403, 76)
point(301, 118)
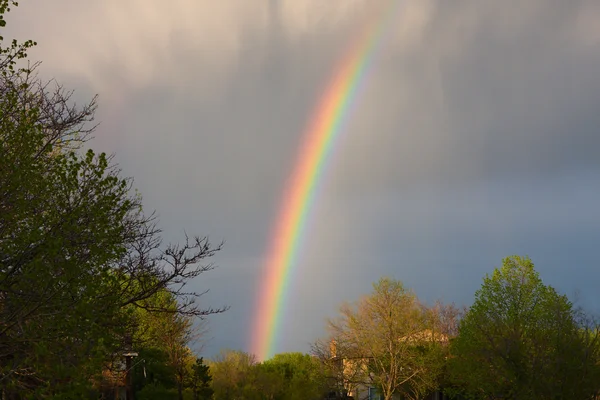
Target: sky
point(476, 136)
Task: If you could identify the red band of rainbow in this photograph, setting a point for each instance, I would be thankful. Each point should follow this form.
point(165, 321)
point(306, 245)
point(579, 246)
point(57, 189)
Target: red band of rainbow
point(321, 134)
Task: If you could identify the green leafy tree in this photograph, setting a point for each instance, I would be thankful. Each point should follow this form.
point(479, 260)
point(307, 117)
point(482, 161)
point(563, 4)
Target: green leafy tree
point(10, 54)
point(153, 369)
point(155, 391)
point(158, 326)
point(200, 380)
point(521, 340)
point(287, 376)
point(234, 376)
point(60, 231)
point(270, 381)
point(294, 376)
point(77, 254)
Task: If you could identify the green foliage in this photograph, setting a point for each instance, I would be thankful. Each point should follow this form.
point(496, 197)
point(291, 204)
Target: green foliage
point(157, 392)
point(153, 371)
point(78, 258)
point(162, 338)
point(520, 340)
point(60, 230)
point(285, 376)
point(200, 381)
point(293, 376)
point(15, 51)
point(234, 375)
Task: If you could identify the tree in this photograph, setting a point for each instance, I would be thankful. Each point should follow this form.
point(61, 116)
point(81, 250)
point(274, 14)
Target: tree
point(341, 377)
point(520, 340)
point(442, 327)
point(286, 376)
point(77, 252)
point(153, 371)
point(168, 332)
point(200, 380)
point(234, 376)
point(388, 340)
point(294, 376)
point(60, 231)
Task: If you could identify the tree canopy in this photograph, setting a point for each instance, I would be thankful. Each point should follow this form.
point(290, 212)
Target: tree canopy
point(78, 255)
point(522, 340)
point(285, 376)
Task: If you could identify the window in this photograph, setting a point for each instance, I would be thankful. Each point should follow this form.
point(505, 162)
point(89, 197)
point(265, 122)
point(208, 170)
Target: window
point(374, 394)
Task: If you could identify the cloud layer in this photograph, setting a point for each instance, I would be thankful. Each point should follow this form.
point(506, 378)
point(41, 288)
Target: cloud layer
point(476, 135)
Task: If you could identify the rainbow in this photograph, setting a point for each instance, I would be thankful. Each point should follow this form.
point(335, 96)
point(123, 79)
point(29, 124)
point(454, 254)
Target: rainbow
point(323, 131)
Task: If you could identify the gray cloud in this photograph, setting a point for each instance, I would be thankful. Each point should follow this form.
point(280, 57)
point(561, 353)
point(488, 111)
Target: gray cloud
point(475, 137)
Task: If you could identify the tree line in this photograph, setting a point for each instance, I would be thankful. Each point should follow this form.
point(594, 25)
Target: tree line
point(519, 340)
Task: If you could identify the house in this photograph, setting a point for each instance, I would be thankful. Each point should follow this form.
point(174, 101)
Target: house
point(116, 380)
point(354, 374)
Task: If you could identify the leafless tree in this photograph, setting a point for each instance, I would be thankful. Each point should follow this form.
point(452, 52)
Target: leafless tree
point(389, 340)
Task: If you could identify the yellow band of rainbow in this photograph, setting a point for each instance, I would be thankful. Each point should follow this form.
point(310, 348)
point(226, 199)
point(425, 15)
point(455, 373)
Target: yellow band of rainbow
point(331, 113)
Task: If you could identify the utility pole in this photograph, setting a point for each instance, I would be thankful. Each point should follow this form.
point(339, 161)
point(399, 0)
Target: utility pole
point(128, 376)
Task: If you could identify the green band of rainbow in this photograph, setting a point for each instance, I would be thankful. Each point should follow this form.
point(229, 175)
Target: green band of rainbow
point(325, 127)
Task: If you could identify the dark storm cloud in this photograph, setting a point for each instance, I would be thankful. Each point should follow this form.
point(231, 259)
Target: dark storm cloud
point(476, 136)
